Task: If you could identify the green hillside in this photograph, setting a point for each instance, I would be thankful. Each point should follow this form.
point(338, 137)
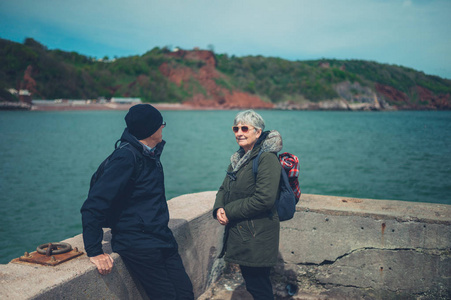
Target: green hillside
point(164, 76)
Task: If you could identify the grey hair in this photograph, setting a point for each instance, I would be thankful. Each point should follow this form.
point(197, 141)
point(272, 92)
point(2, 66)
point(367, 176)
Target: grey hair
point(250, 117)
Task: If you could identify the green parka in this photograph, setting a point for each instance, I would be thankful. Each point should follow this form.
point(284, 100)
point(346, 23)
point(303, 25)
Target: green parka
point(252, 236)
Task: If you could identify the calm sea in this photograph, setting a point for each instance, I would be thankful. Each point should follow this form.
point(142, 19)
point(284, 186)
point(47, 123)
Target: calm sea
point(47, 158)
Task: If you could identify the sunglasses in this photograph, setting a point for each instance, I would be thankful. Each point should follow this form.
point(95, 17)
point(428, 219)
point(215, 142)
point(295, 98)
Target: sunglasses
point(163, 124)
point(244, 129)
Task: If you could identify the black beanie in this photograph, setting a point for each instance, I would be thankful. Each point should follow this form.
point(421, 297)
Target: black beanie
point(143, 120)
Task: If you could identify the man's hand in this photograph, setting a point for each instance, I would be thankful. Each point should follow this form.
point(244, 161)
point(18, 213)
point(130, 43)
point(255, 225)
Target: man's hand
point(103, 262)
point(221, 216)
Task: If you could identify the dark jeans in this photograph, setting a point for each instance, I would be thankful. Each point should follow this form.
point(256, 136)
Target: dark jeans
point(258, 282)
point(161, 273)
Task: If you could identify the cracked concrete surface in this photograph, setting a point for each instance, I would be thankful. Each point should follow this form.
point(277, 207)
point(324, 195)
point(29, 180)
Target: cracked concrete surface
point(347, 248)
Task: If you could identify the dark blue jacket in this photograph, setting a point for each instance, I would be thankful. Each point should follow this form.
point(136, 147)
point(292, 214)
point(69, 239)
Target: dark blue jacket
point(135, 209)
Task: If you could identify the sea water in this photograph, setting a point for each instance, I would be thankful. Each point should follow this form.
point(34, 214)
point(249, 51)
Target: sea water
point(47, 159)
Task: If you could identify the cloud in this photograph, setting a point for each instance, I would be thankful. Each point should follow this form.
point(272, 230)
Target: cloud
point(414, 33)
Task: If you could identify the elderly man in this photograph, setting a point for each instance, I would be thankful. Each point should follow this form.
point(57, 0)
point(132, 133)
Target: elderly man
point(129, 197)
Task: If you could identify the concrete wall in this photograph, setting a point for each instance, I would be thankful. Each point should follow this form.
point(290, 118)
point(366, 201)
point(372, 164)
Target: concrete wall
point(334, 248)
point(347, 248)
point(199, 239)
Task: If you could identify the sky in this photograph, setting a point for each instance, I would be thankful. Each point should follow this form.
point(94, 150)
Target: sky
point(410, 33)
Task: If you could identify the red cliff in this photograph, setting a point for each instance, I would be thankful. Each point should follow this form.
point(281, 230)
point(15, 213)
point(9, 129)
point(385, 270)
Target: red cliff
point(201, 83)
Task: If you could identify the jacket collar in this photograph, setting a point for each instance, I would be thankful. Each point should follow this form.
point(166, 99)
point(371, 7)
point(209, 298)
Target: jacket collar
point(129, 138)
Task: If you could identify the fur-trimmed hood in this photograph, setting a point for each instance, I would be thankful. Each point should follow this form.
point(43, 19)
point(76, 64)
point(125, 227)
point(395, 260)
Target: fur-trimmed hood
point(269, 141)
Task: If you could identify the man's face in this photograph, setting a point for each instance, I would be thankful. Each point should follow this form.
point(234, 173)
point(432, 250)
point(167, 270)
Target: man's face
point(157, 137)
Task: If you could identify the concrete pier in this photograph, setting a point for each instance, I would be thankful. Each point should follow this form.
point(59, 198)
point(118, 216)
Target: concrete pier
point(334, 248)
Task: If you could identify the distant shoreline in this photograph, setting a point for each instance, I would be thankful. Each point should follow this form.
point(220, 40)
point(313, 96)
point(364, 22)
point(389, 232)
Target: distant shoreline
point(21, 106)
point(115, 106)
point(118, 106)
point(326, 106)
point(105, 106)
point(179, 106)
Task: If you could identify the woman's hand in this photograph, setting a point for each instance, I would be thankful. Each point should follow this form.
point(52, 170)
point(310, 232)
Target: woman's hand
point(221, 216)
point(103, 262)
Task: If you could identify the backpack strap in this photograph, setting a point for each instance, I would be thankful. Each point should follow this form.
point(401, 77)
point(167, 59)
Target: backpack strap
point(139, 162)
point(136, 154)
point(255, 164)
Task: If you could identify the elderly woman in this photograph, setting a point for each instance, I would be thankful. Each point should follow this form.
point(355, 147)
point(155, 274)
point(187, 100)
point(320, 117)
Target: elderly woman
point(245, 204)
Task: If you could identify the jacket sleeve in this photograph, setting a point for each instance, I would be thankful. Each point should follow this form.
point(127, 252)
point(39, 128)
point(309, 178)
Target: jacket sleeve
point(95, 209)
point(219, 202)
point(266, 191)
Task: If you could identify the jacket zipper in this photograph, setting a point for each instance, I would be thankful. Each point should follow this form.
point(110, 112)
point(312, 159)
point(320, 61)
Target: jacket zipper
point(158, 163)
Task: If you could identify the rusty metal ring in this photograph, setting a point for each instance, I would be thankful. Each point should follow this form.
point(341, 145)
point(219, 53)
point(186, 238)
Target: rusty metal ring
point(60, 248)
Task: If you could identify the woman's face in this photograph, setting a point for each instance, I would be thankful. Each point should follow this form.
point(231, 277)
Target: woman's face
point(246, 135)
